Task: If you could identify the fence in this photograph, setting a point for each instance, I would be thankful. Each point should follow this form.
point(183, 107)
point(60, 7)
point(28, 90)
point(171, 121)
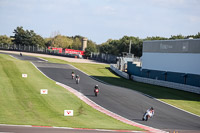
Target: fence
point(26, 48)
point(35, 49)
point(104, 57)
point(108, 58)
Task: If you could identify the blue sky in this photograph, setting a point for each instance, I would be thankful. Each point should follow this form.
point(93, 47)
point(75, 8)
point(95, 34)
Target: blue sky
point(100, 20)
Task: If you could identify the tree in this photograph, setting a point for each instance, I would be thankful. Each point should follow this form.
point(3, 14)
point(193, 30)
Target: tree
point(77, 43)
point(19, 36)
point(5, 40)
point(27, 37)
point(156, 38)
point(105, 48)
point(197, 35)
point(116, 47)
point(92, 45)
point(88, 51)
point(177, 37)
point(37, 40)
point(60, 41)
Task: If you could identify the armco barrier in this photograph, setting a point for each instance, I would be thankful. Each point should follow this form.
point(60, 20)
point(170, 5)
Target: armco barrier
point(120, 73)
point(167, 84)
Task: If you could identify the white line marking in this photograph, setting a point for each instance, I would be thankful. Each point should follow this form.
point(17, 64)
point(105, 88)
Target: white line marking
point(16, 125)
point(15, 57)
point(41, 71)
point(41, 59)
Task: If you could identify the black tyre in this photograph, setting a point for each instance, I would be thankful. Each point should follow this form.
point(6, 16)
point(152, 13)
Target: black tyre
point(147, 118)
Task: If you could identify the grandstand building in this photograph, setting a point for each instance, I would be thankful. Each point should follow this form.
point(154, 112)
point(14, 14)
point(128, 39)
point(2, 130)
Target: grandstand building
point(172, 55)
point(171, 62)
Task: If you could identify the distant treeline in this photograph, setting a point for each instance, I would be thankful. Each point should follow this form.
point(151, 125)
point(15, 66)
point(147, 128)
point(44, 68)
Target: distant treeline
point(115, 47)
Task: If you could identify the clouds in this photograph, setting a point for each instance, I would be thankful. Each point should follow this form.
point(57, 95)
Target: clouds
point(100, 20)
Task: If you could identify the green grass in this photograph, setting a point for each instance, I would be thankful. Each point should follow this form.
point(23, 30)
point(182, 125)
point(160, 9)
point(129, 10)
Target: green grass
point(184, 100)
point(21, 102)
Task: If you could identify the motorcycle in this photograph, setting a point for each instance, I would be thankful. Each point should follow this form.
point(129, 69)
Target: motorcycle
point(146, 116)
point(73, 75)
point(96, 91)
point(77, 80)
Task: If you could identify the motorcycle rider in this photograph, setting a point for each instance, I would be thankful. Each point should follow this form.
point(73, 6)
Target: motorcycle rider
point(77, 76)
point(96, 87)
point(77, 79)
point(149, 112)
point(73, 74)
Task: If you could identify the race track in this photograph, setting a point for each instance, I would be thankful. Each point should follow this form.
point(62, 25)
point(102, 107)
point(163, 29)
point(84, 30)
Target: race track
point(125, 102)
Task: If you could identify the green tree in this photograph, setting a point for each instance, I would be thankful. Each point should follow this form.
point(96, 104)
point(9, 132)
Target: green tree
point(105, 48)
point(177, 37)
point(155, 38)
point(19, 36)
point(88, 51)
point(77, 43)
point(5, 40)
point(27, 37)
point(47, 42)
point(92, 46)
point(37, 40)
point(197, 35)
point(116, 47)
point(60, 41)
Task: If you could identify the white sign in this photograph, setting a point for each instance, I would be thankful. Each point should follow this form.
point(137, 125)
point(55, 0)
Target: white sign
point(43, 91)
point(24, 75)
point(68, 112)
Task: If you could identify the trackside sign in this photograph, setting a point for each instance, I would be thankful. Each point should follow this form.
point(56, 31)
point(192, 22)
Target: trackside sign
point(24, 75)
point(43, 91)
point(68, 112)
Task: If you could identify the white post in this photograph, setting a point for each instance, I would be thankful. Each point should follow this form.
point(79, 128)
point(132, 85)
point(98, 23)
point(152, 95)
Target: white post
point(130, 47)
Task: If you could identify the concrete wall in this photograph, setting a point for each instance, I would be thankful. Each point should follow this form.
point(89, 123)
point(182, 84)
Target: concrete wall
point(120, 73)
point(176, 77)
point(167, 84)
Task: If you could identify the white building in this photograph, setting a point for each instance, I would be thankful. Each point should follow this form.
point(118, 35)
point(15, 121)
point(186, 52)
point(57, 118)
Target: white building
point(172, 55)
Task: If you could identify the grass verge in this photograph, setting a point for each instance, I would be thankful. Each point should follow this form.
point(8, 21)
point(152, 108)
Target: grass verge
point(181, 99)
point(21, 102)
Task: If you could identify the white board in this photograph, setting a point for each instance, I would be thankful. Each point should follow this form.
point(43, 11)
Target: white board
point(68, 112)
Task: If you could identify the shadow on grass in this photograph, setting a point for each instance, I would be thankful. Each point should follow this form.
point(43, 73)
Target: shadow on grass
point(152, 90)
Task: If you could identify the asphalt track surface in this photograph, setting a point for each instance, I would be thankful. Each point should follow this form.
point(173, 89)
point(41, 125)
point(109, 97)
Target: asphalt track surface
point(20, 129)
point(125, 102)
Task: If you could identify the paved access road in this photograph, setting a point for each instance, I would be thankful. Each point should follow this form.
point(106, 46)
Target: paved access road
point(125, 102)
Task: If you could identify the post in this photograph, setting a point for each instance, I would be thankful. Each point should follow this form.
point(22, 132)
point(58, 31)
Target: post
point(129, 47)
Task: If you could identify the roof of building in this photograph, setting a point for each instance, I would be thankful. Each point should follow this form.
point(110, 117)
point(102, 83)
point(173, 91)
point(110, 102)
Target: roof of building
point(172, 46)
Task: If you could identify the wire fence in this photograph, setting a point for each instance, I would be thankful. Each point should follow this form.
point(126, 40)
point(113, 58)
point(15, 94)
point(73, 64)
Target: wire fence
point(101, 57)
